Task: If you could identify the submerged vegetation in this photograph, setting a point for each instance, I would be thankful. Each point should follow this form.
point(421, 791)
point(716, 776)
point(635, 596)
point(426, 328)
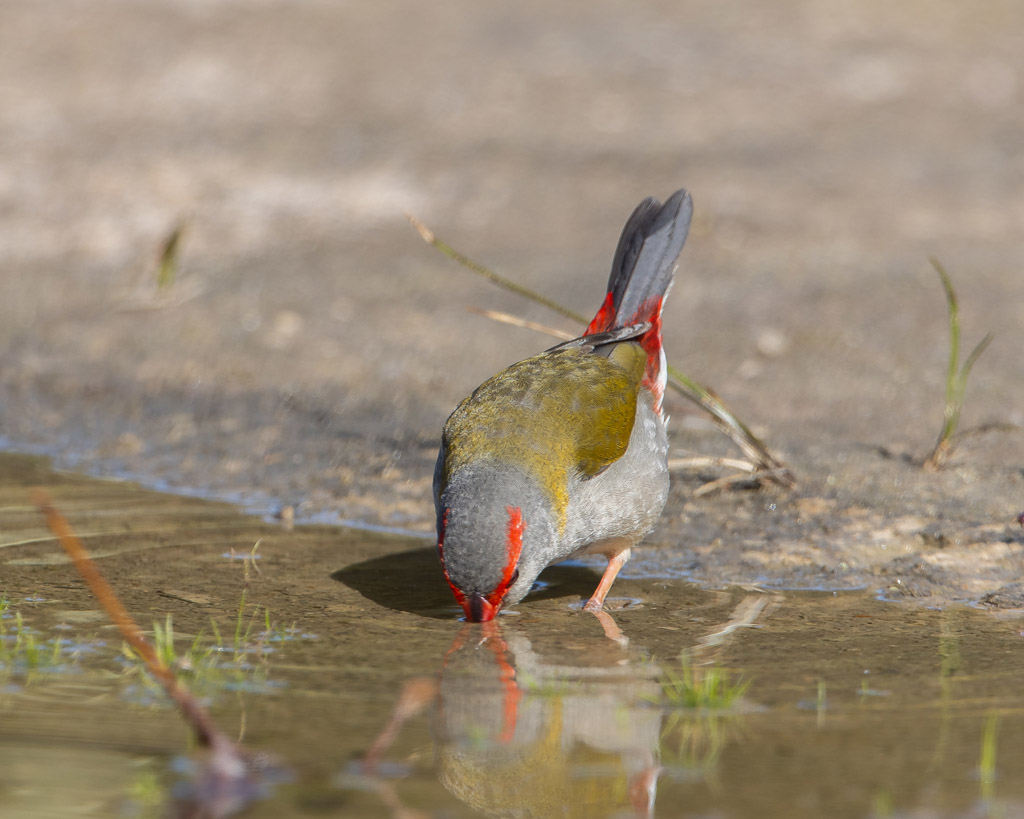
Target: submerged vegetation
point(228, 776)
point(701, 715)
point(24, 652)
point(210, 665)
point(223, 660)
point(698, 687)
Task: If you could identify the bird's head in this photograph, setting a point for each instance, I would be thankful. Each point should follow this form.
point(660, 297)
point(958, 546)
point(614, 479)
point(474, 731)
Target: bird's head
point(493, 535)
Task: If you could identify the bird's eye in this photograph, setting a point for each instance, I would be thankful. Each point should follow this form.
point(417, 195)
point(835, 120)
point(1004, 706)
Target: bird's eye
point(514, 578)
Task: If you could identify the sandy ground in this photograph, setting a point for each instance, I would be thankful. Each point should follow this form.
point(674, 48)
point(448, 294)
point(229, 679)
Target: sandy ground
point(312, 345)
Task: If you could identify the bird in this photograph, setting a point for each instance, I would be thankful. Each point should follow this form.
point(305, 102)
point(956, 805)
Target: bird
point(566, 453)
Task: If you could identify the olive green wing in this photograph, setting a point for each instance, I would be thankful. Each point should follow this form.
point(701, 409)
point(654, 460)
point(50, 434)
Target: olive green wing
point(565, 413)
point(570, 409)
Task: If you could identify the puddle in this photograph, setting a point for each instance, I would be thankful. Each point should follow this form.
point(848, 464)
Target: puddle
point(378, 702)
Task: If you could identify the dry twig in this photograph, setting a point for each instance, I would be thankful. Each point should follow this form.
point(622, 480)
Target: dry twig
point(229, 774)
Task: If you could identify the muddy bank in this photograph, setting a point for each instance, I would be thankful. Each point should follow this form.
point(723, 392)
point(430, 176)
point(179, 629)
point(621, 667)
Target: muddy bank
point(311, 345)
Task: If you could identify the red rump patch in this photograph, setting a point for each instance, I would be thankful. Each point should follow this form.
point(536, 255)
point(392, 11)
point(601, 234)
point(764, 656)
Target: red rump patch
point(651, 342)
point(649, 311)
point(605, 318)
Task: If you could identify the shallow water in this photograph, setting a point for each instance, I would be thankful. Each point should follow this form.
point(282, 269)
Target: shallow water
point(375, 700)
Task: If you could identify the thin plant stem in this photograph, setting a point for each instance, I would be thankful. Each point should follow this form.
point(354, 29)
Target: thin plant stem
point(430, 238)
point(167, 264)
point(956, 375)
point(197, 716)
point(731, 425)
point(516, 321)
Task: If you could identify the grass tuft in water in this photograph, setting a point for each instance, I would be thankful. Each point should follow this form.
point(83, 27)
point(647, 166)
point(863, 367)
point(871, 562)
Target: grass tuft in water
point(694, 687)
point(24, 653)
point(22, 650)
point(956, 376)
point(210, 666)
point(700, 719)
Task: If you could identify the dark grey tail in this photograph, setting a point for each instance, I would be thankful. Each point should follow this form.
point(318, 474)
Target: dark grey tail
point(644, 262)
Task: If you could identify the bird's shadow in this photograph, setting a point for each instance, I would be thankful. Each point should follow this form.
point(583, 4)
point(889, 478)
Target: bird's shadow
point(412, 581)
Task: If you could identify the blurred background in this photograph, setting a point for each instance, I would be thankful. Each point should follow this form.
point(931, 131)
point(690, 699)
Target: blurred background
point(310, 345)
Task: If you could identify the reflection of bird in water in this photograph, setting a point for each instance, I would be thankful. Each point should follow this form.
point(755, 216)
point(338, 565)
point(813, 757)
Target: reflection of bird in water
point(524, 731)
point(519, 735)
point(549, 726)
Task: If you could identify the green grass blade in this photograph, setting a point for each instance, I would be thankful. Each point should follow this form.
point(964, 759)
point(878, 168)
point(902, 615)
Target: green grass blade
point(956, 375)
point(431, 239)
point(167, 265)
point(969, 363)
point(953, 312)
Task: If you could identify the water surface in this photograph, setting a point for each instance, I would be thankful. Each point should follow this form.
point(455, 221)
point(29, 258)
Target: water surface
point(375, 700)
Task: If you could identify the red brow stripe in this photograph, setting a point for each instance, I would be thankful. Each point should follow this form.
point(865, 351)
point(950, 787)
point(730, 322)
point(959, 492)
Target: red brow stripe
point(515, 533)
point(514, 544)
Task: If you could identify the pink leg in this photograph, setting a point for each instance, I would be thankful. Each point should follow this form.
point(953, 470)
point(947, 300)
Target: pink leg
point(616, 560)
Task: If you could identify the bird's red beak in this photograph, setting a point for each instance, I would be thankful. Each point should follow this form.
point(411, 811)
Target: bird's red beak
point(479, 609)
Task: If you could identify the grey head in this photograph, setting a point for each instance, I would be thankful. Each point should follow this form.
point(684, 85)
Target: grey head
point(494, 532)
